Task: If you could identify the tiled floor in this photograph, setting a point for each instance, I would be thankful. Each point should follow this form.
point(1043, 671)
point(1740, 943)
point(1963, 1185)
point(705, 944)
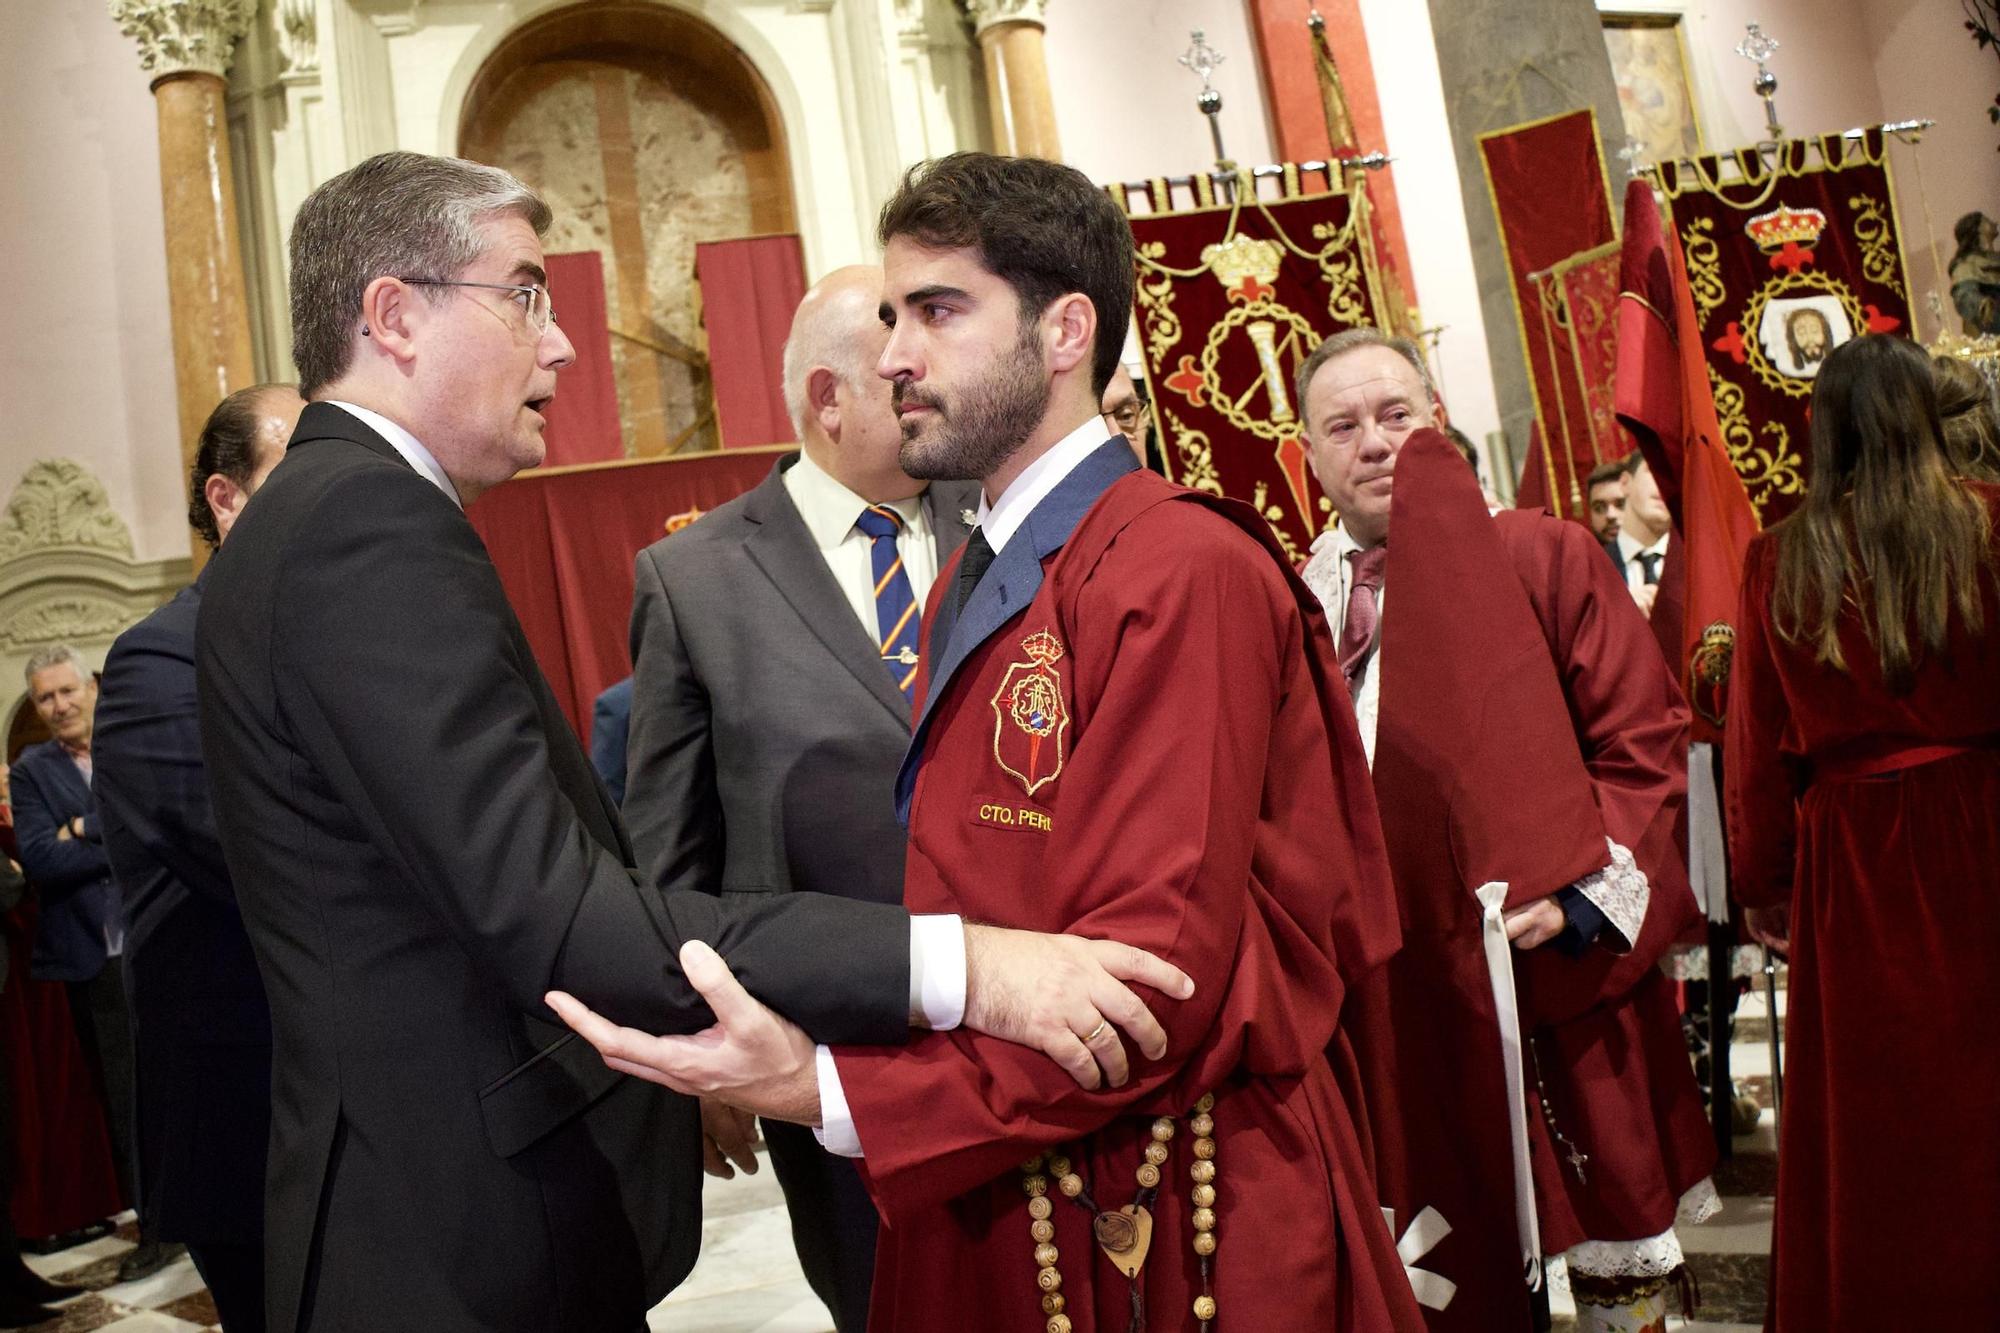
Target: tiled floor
point(748, 1280)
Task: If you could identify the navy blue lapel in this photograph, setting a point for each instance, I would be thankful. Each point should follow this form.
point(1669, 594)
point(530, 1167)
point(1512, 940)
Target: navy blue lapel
point(1009, 585)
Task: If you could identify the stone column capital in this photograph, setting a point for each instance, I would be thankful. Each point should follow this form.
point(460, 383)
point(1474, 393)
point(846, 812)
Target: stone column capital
point(987, 14)
point(183, 36)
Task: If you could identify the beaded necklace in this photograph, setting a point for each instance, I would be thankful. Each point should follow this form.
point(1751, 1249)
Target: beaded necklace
point(1126, 1235)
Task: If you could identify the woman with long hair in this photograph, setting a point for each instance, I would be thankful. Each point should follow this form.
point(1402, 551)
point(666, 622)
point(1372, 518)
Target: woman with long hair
point(1967, 413)
point(1863, 786)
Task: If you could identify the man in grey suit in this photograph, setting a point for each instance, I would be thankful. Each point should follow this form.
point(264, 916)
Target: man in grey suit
point(771, 645)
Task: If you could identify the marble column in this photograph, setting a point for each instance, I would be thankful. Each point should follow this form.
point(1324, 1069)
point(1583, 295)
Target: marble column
point(186, 46)
point(1022, 112)
point(1502, 66)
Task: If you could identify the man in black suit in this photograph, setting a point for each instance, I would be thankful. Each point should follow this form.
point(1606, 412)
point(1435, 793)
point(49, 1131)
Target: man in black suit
point(768, 714)
point(81, 930)
point(201, 1027)
point(421, 849)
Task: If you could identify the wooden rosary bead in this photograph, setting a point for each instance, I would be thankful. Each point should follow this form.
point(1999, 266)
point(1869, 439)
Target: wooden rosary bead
point(1203, 1172)
point(1071, 1185)
point(1058, 1323)
point(1202, 1126)
point(1163, 1128)
point(1039, 1208)
point(1203, 1196)
point(1205, 1105)
point(1053, 1303)
point(1204, 1308)
point(1204, 1149)
point(1148, 1176)
point(1046, 1255)
point(1204, 1219)
point(1059, 1167)
point(1204, 1243)
point(1048, 1279)
point(1157, 1153)
point(1042, 1230)
point(1036, 1186)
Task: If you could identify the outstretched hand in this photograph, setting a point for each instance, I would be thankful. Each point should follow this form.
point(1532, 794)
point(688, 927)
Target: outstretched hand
point(752, 1058)
point(1066, 997)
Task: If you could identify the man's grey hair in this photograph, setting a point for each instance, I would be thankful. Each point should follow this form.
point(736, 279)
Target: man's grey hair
point(54, 655)
point(400, 215)
point(822, 335)
point(1348, 340)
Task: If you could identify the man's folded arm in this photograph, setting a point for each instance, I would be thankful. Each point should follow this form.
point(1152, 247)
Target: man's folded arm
point(414, 701)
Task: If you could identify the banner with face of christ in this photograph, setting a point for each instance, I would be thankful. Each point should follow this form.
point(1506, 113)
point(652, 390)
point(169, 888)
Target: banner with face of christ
point(1791, 255)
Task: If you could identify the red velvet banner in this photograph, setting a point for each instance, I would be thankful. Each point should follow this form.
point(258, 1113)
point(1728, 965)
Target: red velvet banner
point(1230, 302)
point(1588, 287)
point(749, 289)
point(1547, 184)
point(583, 420)
point(1790, 256)
point(564, 543)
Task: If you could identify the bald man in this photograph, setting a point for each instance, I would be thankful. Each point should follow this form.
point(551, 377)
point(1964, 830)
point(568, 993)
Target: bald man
point(774, 646)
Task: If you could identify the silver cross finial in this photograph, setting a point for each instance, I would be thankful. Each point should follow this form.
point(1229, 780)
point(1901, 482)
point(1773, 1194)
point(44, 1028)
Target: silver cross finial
point(1760, 46)
point(1757, 44)
point(1201, 57)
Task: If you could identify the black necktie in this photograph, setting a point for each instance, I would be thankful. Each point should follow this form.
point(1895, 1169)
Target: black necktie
point(972, 565)
point(1649, 562)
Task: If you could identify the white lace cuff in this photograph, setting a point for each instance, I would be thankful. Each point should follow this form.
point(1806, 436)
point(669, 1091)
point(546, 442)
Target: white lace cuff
point(1621, 892)
point(1655, 1256)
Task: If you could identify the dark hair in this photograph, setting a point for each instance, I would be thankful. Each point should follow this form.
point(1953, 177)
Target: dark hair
point(1041, 227)
point(1966, 232)
point(1632, 462)
point(1466, 448)
point(395, 215)
point(1884, 523)
point(229, 446)
point(1603, 472)
point(1967, 414)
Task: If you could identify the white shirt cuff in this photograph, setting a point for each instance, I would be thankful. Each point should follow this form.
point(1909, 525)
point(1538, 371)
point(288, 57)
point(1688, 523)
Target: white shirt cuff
point(937, 972)
point(836, 1131)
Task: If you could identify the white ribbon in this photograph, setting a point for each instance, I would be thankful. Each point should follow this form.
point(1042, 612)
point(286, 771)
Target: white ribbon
point(1500, 972)
point(1427, 1228)
point(1708, 870)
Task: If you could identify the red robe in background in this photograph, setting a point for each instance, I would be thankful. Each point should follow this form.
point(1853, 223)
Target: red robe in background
point(1526, 715)
point(1137, 733)
point(1876, 817)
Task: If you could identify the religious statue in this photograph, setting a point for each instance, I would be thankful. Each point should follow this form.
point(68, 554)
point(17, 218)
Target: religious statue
point(1975, 275)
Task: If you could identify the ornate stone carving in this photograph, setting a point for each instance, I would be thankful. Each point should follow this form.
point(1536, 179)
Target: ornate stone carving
point(59, 503)
point(990, 13)
point(65, 618)
point(177, 36)
point(298, 35)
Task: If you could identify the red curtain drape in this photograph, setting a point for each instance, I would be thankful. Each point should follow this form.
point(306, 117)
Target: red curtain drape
point(564, 543)
point(749, 289)
point(583, 419)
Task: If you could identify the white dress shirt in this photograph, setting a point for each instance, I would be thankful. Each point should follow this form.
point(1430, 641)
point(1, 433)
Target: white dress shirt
point(829, 510)
point(405, 444)
point(1001, 517)
point(1629, 550)
point(1330, 574)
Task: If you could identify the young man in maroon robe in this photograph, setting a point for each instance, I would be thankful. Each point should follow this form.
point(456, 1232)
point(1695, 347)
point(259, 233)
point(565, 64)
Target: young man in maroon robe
point(1528, 750)
point(1130, 726)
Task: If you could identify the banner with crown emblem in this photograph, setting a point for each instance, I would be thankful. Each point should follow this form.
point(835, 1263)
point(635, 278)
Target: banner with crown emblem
point(1232, 297)
point(1793, 254)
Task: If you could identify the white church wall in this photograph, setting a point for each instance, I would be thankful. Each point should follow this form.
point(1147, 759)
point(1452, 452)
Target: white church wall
point(86, 354)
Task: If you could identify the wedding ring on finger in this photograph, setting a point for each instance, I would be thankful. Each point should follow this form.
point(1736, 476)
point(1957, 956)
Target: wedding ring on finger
point(1103, 1025)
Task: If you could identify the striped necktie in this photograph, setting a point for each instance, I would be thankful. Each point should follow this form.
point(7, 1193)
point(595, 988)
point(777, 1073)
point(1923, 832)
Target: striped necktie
point(895, 601)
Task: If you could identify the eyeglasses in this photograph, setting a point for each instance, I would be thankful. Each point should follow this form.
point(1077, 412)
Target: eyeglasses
point(1130, 416)
point(534, 300)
